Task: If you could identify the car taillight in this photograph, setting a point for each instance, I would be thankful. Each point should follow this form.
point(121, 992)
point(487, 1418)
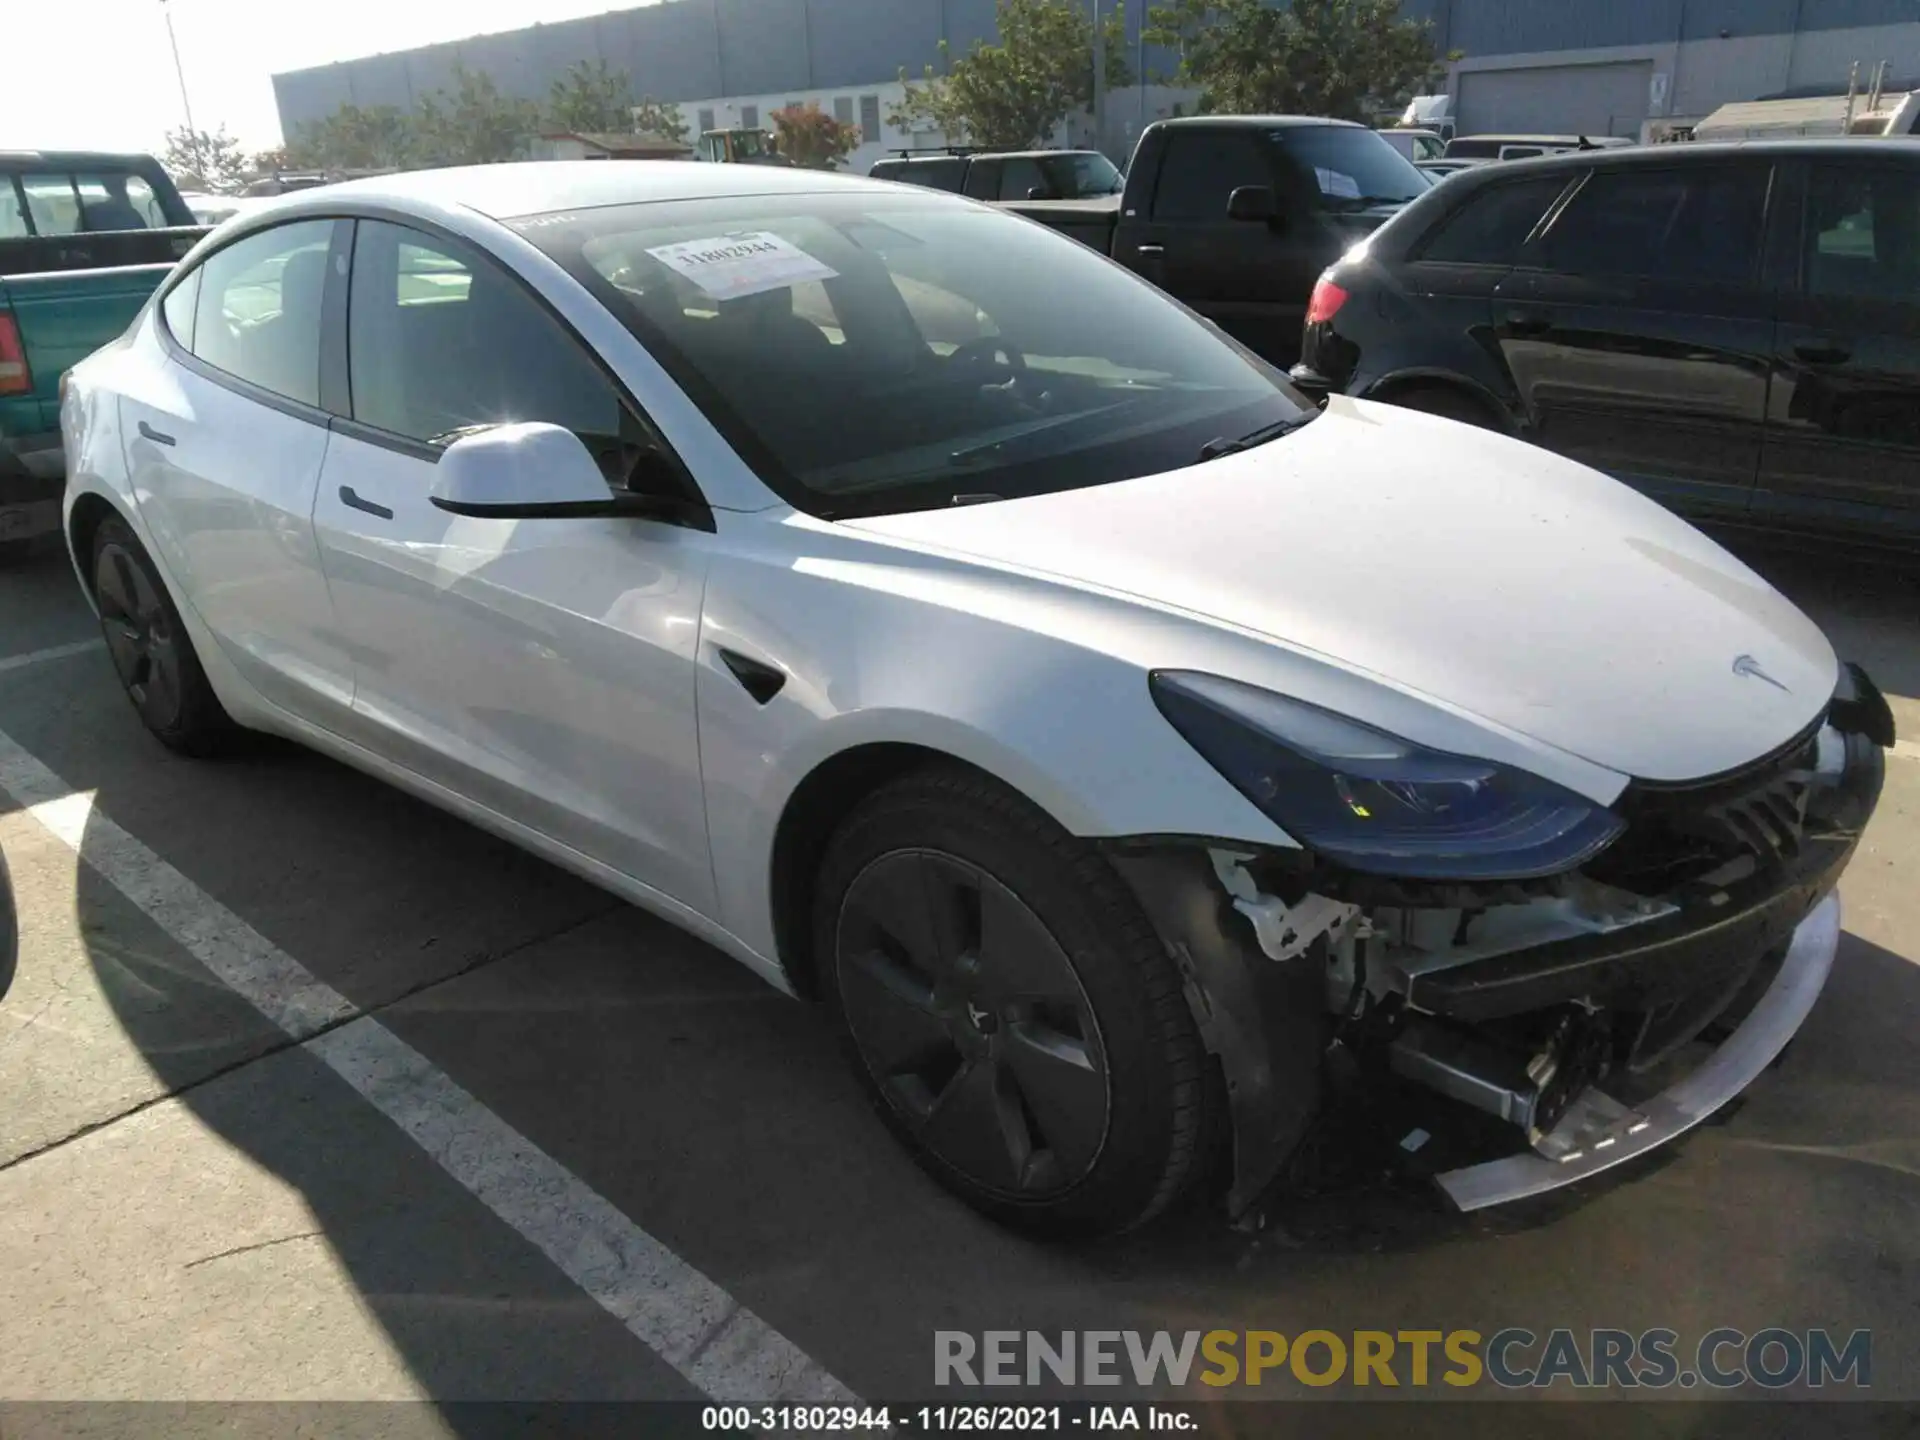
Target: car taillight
point(1326, 302)
point(15, 378)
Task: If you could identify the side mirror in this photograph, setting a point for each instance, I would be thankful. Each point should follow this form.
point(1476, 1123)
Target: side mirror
point(535, 471)
point(1253, 202)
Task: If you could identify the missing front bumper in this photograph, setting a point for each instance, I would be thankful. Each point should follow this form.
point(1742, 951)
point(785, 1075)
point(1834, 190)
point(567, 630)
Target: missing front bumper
point(1598, 1132)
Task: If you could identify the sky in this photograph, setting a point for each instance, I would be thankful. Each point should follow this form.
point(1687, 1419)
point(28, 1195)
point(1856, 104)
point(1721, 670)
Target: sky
point(97, 74)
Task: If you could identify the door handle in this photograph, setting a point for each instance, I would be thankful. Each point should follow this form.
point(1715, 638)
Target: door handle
point(1152, 252)
point(347, 497)
point(1823, 351)
point(147, 432)
point(1526, 322)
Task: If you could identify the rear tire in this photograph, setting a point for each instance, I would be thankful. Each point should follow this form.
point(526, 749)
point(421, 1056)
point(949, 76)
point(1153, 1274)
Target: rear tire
point(1011, 1012)
point(1446, 402)
point(152, 653)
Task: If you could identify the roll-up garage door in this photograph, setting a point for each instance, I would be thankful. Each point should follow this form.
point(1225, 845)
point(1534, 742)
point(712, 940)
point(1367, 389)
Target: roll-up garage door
point(1556, 100)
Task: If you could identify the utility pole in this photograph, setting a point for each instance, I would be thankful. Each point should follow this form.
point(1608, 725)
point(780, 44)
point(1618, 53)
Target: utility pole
point(180, 74)
point(1099, 80)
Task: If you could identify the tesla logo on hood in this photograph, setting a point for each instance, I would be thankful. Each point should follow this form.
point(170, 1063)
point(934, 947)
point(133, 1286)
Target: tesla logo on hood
point(1747, 665)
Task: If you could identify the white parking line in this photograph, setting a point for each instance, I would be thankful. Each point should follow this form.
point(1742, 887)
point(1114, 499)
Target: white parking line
point(56, 652)
point(677, 1312)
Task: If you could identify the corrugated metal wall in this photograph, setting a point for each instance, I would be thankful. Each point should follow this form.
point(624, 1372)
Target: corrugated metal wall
point(697, 49)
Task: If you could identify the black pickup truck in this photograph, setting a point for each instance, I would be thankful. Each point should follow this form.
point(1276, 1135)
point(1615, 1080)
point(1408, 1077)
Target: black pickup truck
point(1237, 215)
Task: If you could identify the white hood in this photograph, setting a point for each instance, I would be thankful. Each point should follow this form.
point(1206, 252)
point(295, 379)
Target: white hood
point(1454, 563)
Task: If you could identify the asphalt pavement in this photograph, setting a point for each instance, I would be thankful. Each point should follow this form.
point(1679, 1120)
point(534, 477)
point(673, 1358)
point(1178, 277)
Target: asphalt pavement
point(309, 1092)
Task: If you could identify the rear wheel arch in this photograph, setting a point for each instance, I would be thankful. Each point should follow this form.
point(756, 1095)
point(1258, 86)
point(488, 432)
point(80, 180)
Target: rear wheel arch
point(1449, 395)
point(90, 511)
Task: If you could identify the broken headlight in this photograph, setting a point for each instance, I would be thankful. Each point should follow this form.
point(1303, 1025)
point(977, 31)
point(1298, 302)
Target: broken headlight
point(1375, 802)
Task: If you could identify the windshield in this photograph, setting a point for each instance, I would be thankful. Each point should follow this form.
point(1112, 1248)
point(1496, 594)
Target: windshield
point(871, 353)
point(1081, 176)
point(1348, 164)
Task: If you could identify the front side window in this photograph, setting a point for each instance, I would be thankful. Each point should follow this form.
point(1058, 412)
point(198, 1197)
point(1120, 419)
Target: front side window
point(13, 215)
point(257, 315)
point(1694, 223)
point(1021, 176)
point(440, 342)
point(1863, 234)
point(1075, 175)
point(875, 353)
point(1202, 168)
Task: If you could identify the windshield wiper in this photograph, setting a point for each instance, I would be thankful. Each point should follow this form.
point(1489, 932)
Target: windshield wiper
point(1219, 446)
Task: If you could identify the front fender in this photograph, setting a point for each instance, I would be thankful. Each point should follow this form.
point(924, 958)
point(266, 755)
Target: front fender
point(1011, 680)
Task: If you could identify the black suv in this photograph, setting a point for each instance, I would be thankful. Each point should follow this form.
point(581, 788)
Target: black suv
point(1734, 329)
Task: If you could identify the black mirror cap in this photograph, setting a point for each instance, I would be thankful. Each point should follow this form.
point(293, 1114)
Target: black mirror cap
point(1253, 202)
point(1859, 708)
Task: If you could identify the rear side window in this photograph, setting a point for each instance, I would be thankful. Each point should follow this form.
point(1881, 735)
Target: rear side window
point(178, 308)
point(1694, 223)
point(1491, 227)
point(65, 203)
point(257, 315)
point(1863, 234)
point(1202, 168)
point(13, 216)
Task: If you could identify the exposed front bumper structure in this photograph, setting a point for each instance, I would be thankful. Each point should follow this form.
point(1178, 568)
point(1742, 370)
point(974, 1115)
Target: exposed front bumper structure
point(1598, 1132)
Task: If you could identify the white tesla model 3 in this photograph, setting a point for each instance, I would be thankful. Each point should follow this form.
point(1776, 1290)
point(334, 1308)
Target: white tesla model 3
point(947, 625)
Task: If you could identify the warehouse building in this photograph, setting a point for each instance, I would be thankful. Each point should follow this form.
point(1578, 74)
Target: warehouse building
point(1526, 65)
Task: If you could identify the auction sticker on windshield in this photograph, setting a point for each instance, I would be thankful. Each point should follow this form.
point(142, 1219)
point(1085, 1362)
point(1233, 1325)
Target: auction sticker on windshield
point(728, 267)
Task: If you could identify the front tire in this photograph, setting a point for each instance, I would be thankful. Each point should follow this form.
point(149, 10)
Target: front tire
point(1012, 1014)
point(151, 650)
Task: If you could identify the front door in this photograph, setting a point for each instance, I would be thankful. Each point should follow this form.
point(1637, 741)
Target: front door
point(225, 444)
point(1638, 329)
point(1250, 278)
point(544, 668)
point(1843, 429)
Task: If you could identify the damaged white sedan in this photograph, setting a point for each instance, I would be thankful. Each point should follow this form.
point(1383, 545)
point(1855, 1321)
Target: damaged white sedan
point(1139, 763)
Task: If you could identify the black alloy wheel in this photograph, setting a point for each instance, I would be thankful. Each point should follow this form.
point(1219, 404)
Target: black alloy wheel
point(140, 636)
point(972, 1023)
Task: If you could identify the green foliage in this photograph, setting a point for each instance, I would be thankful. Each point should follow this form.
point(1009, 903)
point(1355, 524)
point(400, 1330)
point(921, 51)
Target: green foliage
point(810, 137)
point(474, 124)
point(205, 160)
point(355, 137)
point(593, 99)
point(1342, 58)
point(651, 117)
point(1012, 95)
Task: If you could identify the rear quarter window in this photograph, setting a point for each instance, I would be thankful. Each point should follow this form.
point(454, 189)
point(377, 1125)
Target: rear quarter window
point(1490, 227)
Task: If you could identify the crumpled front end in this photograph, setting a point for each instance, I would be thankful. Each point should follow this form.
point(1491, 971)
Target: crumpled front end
point(1582, 1018)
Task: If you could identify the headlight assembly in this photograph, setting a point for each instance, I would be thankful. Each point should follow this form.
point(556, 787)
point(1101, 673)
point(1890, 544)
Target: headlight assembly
point(1377, 803)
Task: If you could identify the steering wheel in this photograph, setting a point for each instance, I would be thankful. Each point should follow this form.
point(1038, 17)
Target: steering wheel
point(984, 356)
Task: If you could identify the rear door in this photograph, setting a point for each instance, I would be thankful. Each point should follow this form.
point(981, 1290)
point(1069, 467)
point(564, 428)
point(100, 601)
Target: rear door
point(1242, 275)
point(1638, 329)
point(225, 443)
point(1843, 426)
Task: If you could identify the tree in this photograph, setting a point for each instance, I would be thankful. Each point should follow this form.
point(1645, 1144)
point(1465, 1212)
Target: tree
point(651, 117)
point(271, 162)
point(1014, 94)
point(473, 124)
point(808, 136)
point(1343, 58)
point(591, 99)
point(200, 160)
point(374, 137)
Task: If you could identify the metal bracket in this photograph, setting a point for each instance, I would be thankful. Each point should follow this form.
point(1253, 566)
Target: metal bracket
point(1283, 930)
